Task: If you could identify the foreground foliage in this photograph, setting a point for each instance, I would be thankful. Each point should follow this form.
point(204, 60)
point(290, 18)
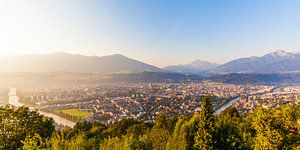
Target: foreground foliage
point(16, 124)
point(263, 129)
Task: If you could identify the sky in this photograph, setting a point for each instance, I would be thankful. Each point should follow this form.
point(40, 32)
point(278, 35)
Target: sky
point(158, 32)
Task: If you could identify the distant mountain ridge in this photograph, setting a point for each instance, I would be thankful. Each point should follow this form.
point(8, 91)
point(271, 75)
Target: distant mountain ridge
point(60, 61)
point(278, 61)
point(195, 67)
point(261, 79)
point(154, 77)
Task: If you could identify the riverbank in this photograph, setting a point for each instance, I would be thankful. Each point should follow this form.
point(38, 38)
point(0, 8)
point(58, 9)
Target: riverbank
point(235, 99)
point(14, 100)
point(228, 104)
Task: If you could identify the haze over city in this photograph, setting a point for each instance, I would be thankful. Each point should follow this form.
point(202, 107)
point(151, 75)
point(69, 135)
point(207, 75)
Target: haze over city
point(150, 31)
point(149, 74)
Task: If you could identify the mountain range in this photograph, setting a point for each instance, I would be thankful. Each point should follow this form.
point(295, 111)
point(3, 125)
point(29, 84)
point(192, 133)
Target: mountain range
point(276, 62)
point(272, 63)
point(65, 62)
point(195, 67)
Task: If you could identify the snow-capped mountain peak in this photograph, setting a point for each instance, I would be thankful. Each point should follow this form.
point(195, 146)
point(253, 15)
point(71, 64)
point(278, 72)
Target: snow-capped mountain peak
point(194, 67)
point(280, 53)
point(200, 63)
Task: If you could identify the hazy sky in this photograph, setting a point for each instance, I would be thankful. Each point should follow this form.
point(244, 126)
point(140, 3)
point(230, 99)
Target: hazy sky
point(158, 32)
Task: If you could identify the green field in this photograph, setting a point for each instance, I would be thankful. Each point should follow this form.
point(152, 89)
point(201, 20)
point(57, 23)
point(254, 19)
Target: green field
point(74, 112)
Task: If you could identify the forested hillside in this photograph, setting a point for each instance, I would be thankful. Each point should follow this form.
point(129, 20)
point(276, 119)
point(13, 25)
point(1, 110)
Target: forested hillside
point(262, 129)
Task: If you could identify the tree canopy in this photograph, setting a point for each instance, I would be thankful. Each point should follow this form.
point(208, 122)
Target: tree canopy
point(277, 128)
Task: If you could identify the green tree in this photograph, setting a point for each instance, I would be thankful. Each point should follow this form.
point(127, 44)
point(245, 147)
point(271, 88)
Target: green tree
point(178, 139)
point(119, 128)
point(18, 123)
point(184, 133)
point(137, 130)
point(229, 130)
point(157, 138)
point(289, 118)
point(277, 128)
point(123, 143)
point(267, 134)
point(33, 143)
point(205, 137)
point(78, 142)
point(58, 142)
point(164, 122)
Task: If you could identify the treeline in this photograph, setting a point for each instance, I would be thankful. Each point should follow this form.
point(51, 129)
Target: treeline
point(263, 129)
point(67, 116)
point(18, 123)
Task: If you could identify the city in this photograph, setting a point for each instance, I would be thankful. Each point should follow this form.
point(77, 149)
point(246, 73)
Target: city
point(149, 75)
point(109, 103)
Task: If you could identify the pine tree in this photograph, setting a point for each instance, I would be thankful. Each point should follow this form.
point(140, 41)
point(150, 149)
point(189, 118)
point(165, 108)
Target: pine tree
point(204, 138)
point(268, 130)
point(177, 140)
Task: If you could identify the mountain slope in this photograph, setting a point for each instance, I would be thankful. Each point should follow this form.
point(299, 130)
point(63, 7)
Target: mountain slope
point(194, 67)
point(262, 79)
point(276, 62)
point(56, 62)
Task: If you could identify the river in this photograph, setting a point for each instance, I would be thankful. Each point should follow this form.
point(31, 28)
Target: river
point(235, 99)
point(278, 89)
point(14, 100)
point(228, 104)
